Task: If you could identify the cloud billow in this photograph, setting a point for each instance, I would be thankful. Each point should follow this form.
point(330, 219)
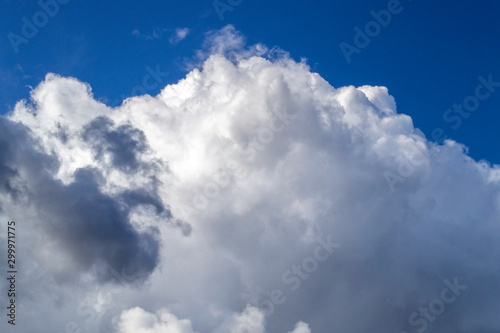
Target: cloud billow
point(92, 227)
point(258, 160)
point(122, 144)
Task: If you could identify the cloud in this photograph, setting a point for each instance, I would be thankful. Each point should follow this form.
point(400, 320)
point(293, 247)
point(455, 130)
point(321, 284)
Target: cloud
point(231, 43)
point(179, 35)
point(157, 33)
point(120, 145)
point(90, 227)
point(301, 327)
point(227, 190)
point(136, 320)
point(251, 320)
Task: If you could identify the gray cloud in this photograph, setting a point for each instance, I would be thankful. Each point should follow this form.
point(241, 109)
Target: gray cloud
point(92, 227)
point(95, 227)
point(122, 144)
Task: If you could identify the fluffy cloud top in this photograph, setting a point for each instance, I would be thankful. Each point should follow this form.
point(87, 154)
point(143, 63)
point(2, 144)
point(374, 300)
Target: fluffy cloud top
point(228, 190)
point(136, 320)
point(301, 327)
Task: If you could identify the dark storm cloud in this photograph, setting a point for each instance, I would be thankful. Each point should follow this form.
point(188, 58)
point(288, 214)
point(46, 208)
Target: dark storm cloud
point(6, 176)
point(7, 173)
point(137, 197)
point(123, 144)
point(16, 147)
point(95, 227)
point(92, 227)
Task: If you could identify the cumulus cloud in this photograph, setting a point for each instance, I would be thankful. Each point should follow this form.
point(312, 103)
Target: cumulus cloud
point(136, 320)
point(301, 327)
point(251, 320)
point(229, 192)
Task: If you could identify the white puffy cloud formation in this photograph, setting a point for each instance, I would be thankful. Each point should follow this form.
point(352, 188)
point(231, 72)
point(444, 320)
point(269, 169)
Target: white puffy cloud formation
point(229, 193)
point(136, 320)
point(301, 327)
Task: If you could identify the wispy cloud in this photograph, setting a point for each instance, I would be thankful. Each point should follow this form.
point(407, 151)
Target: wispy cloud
point(179, 35)
point(157, 33)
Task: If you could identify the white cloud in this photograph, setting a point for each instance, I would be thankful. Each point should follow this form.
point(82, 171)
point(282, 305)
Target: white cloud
point(301, 327)
point(179, 35)
point(251, 320)
point(260, 158)
point(136, 320)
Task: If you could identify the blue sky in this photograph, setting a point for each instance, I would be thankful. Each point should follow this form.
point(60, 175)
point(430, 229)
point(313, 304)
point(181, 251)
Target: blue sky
point(429, 56)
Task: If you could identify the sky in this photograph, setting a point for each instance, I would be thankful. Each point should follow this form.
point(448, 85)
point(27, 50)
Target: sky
point(249, 166)
point(429, 56)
